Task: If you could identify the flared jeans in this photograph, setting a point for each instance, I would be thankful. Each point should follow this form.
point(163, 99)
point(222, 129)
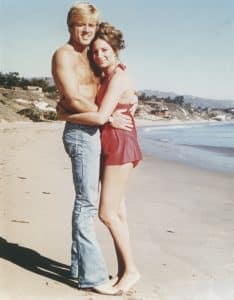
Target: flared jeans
point(82, 143)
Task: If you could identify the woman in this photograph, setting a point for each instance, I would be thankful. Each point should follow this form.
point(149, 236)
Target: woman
point(120, 149)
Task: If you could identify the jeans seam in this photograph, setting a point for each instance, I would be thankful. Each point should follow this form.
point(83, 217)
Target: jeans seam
point(78, 227)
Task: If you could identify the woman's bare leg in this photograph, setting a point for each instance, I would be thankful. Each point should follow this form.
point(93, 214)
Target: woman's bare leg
point(114, 183)
point(122, 213)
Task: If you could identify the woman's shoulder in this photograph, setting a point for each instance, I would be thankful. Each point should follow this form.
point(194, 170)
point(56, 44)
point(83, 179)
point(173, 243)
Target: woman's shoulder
point(121, 77)
point(122, 82)
point(125, 79)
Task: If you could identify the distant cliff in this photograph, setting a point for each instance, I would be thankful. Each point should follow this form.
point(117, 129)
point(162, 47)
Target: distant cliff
point(193, 100)
point(156, 107)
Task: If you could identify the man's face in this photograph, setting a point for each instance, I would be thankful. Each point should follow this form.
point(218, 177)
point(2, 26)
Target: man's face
point(83, 30)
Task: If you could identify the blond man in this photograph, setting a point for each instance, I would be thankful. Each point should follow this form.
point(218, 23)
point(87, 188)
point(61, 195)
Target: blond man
point(78, 87)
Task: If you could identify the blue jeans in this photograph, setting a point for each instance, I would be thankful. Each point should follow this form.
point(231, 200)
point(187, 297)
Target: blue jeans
point(82, 143)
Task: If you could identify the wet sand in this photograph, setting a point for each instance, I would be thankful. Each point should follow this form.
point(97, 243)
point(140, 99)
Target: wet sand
point(181, 223)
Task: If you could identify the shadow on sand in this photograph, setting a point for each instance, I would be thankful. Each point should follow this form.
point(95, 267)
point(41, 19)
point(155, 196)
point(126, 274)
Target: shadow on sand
point(34, 262)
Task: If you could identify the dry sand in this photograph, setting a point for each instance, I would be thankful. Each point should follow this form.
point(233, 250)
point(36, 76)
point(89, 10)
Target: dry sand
point(181, 223)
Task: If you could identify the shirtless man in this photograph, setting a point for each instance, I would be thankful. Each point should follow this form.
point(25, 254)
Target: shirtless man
point(78, 87)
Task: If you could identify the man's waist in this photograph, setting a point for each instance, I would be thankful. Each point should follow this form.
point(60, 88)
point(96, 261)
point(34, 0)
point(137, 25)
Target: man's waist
point(70, 125)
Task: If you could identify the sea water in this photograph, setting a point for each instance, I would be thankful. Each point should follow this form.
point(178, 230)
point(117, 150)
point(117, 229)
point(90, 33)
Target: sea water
point(207, 145)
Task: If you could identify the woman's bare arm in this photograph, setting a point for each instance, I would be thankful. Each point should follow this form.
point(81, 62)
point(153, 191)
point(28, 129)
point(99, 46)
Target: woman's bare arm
point(113, 93)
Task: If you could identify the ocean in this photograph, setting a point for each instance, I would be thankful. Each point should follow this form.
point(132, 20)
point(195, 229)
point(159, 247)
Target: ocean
point(206, 145)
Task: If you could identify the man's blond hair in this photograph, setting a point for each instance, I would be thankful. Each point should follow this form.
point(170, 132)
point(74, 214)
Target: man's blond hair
point(82, 10)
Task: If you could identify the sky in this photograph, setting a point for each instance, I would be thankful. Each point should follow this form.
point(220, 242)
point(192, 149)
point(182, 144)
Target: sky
point(182, 46)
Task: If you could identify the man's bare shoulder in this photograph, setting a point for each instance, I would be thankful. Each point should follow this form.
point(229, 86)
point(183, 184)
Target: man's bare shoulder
point(64, 55)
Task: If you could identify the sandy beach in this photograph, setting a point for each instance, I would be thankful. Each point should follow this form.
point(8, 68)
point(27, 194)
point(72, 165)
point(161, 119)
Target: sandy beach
point(181, 224)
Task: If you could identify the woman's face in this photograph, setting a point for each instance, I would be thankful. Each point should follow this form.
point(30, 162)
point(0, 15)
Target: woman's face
point(103, 54)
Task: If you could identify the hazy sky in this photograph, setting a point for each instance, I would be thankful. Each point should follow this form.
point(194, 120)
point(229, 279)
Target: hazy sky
point(185, 46)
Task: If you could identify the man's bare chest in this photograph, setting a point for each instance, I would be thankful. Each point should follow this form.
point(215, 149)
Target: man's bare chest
point(85, 76)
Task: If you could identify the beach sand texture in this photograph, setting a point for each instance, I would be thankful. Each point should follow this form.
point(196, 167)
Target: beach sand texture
point(181, 224)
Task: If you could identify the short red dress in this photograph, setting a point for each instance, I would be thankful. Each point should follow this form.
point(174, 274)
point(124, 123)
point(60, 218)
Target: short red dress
point(118, 146)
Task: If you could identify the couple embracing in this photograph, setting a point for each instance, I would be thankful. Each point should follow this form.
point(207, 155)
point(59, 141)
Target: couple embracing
point(98, 102)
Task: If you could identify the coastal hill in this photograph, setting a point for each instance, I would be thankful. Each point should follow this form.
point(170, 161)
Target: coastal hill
point(31, 103)
point(23, 99)
point(35, 99)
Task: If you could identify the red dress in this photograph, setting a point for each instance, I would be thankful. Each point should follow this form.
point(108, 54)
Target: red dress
point(118, 146)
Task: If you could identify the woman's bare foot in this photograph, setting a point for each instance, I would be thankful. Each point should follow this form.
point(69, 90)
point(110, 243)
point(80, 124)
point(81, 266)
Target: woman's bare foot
point(127, 281)
point(107, 288)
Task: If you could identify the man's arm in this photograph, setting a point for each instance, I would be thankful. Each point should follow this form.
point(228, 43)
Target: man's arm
point(66, 81)
point(120, 120)
point(109, 102)
point(117, 120)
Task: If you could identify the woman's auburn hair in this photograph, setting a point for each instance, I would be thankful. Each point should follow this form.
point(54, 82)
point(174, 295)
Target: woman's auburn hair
point(112, 36)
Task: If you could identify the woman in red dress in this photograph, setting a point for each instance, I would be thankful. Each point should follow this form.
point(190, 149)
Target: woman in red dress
point(120, 148)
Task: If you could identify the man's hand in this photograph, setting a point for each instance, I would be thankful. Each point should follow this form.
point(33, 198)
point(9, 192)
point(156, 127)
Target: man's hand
point(61, 112)
point(121, 120)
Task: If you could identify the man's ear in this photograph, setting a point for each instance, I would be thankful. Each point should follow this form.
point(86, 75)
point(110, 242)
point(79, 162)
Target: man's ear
point(69, 28)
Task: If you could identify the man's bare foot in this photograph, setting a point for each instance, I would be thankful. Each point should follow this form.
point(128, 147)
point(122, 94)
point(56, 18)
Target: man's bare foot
point(107, 288)
point(127, 281)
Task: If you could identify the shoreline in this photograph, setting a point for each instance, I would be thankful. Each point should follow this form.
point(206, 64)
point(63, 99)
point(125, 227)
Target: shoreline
point(139, 123)
point(150, 123)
